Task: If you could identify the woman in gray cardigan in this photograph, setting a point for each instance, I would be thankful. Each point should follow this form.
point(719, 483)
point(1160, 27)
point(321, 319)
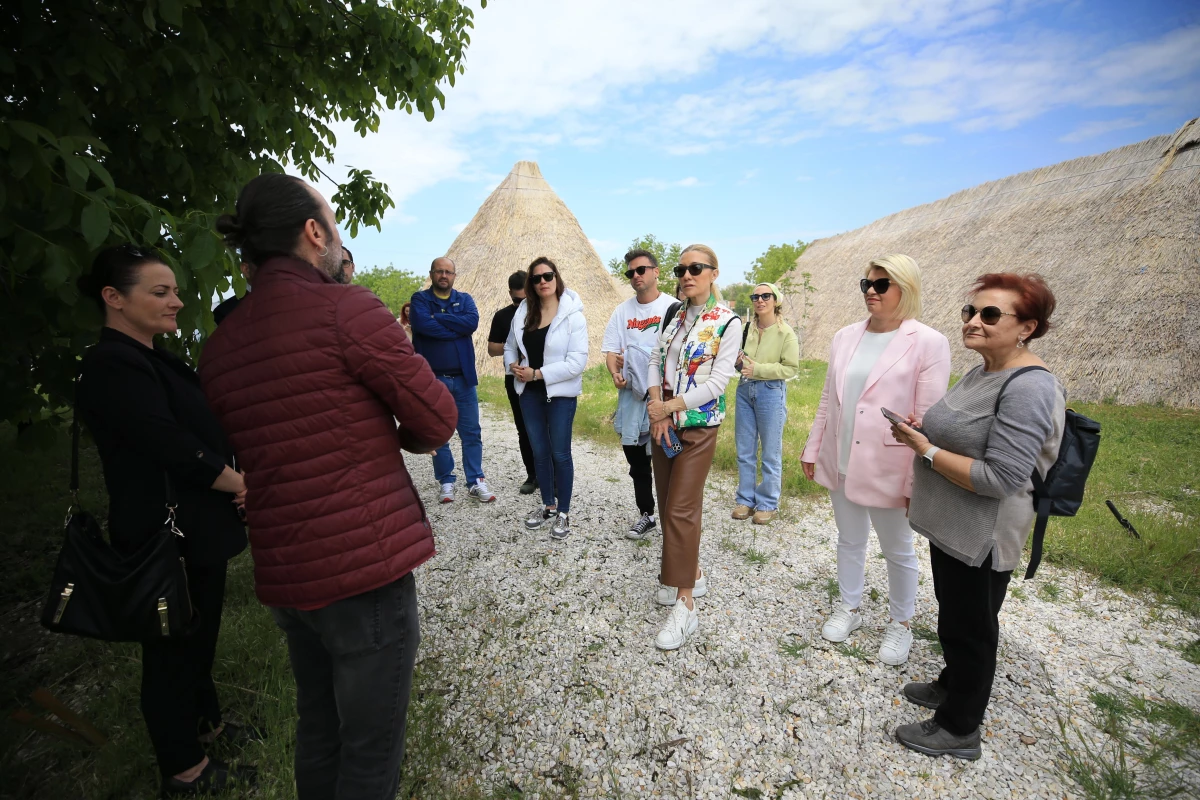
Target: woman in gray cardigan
point(972, 498)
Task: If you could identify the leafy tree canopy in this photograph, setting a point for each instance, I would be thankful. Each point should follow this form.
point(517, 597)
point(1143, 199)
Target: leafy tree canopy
point(775, 263)
point(393, 286)
point(667, 255)
point(737, 295)
point(140, 121)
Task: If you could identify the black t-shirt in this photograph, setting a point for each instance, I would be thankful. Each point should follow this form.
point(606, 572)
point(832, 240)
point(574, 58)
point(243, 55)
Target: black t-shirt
point(501, 323)
point(535, 346)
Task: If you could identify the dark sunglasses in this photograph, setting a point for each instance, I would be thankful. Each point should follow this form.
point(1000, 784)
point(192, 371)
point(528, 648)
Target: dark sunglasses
point(880, 285)
point(754, 298)
point(541, 277)
point(629, 273)
point(988, 315)
point(694, 269)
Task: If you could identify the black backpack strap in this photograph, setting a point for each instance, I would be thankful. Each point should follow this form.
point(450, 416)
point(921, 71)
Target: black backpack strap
point(74, 487)
point(672, 310)
point(745, 333)
point(1010, 379)
point(1039, 528)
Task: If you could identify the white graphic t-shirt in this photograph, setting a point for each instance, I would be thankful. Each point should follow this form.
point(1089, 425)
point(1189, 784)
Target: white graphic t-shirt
point(634, 323)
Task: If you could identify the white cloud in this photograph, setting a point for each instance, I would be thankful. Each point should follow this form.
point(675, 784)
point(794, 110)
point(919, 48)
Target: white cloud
point(918, 139)
point(1090, 130)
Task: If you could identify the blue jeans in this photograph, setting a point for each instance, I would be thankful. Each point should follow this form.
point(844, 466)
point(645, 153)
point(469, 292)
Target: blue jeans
point(761, 413)
point(469, 434)
point(549, 427)
point(353, 662)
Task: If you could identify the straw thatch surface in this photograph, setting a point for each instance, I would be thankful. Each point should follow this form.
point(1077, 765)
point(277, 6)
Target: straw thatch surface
point(521, 220)
point(1117, 236)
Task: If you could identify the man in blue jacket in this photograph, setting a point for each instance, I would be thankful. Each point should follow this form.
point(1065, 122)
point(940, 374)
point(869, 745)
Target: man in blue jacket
point(443, 321)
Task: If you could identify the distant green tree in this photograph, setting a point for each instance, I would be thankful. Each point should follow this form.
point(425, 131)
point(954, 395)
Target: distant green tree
point(775, 263)
point(667, 255)
point(393, 286)
point(737, 295)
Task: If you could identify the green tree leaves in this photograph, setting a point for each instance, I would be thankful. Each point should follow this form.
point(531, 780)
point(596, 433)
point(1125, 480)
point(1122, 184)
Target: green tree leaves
point(667, 255)
point(775, 263)
point(393, 286)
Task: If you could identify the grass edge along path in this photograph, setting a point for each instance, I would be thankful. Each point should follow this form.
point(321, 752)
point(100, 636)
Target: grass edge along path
point(1149, 466)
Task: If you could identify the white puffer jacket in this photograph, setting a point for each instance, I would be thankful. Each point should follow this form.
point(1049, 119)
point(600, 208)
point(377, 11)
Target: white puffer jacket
point(566, 347)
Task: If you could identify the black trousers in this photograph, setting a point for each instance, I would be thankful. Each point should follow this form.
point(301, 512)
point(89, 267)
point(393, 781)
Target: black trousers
point(643, 476)
point(514, 402)
point(969, 600)
point(179, 700)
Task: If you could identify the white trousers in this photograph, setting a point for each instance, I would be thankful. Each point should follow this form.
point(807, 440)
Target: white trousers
point(895, 540)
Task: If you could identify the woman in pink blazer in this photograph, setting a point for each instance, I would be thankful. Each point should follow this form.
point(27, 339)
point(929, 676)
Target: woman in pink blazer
point(887, 361)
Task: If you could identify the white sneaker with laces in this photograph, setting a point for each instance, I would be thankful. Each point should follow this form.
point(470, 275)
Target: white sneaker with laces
point(843, 623)
point(447, 495)
point(481, 492)
point(665, 596)
point(897, 641)
point(681, 624)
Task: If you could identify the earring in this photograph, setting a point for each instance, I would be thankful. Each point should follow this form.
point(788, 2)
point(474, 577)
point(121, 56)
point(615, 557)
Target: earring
point(325, 253)
point(1020, 342)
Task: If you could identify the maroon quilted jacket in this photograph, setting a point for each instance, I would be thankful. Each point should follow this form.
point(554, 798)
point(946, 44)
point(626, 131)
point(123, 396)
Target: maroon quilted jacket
point(308, 378)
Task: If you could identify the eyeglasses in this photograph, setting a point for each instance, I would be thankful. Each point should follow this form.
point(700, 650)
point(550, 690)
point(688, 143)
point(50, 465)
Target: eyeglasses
point(629, 273)
point(444, 272)
point(880, 285)
point(347, 263)
point(754, 298)
point(692, 269)
point(541, 277)
point(988, 315)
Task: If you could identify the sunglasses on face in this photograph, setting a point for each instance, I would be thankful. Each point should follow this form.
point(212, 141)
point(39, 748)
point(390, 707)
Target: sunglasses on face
point(880, 285)
point(754, 298)
point(629, 273)
point(541, 277)
point(692, 269)
point(988, 315)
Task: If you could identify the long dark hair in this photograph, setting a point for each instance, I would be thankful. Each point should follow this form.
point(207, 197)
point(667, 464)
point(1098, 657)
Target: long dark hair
point(272, 211)
point(117, 267)
point(533, 301)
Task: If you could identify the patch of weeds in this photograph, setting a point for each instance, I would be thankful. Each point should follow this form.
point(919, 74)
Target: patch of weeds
point(748, 792)
point(645, 542)
point(874, 594)
point(611, 479)
point(794, 648)
point(755, 557)
point(1191, 652)
point(928, 634)
point(729, 545)
point(1018, 593)
point(1050, 592)
point(853, 651)
point(832, 591)
point(802, 586)
point(1133, 638)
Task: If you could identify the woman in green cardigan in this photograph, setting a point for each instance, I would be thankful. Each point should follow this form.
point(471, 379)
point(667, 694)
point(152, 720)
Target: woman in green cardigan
point(770, 358)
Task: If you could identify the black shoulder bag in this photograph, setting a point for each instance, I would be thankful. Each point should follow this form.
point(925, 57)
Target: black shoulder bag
point(99, 593)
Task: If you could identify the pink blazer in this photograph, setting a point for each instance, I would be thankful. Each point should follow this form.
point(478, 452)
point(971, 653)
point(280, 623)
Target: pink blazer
point(911, 375)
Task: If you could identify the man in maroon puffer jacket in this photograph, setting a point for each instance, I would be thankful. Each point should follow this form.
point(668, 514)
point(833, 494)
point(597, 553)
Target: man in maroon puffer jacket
point(308, 380)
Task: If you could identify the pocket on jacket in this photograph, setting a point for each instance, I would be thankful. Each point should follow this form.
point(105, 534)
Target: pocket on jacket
point(890, 440)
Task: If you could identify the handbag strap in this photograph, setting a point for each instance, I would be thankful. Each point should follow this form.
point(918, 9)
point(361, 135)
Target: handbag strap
point(74, 487)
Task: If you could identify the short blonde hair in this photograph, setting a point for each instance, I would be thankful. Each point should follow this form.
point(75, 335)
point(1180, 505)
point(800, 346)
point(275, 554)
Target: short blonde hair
point(708, 251)
point(905, 272)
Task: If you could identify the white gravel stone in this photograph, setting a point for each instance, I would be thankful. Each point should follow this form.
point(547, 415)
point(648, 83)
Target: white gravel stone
point(553, 671)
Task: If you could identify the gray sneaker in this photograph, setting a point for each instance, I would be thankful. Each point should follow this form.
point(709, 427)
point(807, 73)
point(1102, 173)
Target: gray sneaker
point(933, 740)
point(562, 526)
point(539, 517)
point(929, 695)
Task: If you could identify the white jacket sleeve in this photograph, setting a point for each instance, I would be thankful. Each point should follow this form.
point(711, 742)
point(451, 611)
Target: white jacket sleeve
point(577, 353)
point(511, 352)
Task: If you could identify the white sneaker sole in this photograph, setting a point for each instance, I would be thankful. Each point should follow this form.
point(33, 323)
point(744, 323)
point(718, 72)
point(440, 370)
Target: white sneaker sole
point(696, 592)
point(479, 499)
point(692, 627)
point(844, 636)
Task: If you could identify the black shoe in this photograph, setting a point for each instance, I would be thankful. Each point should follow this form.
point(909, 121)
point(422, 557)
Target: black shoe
point(643, 526)
point(929, 695)
point(237, 735)
point(529, 486)
point(216, 777)
point(933, 740)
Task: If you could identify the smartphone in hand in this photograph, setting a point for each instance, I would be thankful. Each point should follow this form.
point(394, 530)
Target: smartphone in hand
point(673, 446)
point(896, 419)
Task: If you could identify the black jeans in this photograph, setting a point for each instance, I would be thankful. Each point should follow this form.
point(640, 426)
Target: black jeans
point(179, 701)
point(643, 476)
point(514, 402)
point(353, 662)
point(969, 600)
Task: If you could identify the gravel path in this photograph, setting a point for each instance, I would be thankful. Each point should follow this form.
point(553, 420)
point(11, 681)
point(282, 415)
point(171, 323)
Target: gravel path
point(554, 682)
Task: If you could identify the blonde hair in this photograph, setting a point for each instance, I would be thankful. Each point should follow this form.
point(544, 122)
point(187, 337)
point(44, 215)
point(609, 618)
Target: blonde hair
point(714, 290)
point(905, 272)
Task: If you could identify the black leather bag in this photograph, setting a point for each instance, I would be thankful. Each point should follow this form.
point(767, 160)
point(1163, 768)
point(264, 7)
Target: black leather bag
point(99, 593)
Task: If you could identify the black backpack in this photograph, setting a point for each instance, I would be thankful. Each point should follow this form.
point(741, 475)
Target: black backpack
point(1061, 492)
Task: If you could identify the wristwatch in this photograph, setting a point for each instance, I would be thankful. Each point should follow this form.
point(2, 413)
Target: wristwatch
point(929, 454)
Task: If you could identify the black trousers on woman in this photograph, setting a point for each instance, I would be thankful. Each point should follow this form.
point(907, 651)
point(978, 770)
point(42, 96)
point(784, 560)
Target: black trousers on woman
point(969, 600)
point(179, 700)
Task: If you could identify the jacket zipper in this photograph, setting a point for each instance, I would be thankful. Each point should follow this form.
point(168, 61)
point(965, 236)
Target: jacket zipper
point(164, 621)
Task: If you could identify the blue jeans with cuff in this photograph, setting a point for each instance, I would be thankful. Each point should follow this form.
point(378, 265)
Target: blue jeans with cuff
point(759, 419)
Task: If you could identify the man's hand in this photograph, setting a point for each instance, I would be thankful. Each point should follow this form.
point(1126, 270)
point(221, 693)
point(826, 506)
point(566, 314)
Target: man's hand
point(619, 362)
point(619, 380)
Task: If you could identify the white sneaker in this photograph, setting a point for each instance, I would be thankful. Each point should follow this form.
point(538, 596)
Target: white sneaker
point(843, 623)
point(897, 641)
point(679, 626)
point(481, 492)
point(665, 596)
point(447, 495)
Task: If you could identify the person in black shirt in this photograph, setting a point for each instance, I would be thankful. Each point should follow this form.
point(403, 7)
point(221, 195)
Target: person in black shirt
point(497, 336)
point(148, 415)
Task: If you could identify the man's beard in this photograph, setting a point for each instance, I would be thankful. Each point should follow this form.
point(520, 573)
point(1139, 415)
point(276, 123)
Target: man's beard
point(331, 265)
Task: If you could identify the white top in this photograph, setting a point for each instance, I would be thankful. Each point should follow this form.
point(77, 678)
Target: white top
point(723, 366)
point(869, 349)
point(633, 323)
point(566, 350)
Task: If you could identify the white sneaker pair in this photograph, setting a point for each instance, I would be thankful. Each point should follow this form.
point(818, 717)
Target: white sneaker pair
point(478, 491)
point(897, 639)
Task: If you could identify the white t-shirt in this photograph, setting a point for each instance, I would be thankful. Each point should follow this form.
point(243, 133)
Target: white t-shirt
point(634, 323)
point(857, 371)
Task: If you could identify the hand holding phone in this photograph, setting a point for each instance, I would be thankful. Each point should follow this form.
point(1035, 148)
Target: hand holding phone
point(672, 446)
point(896, 419)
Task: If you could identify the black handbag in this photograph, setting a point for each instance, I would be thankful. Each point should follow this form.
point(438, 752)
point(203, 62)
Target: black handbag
point(99, 593)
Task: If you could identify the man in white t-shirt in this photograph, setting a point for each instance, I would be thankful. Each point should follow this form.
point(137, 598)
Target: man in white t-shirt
point(631, 334)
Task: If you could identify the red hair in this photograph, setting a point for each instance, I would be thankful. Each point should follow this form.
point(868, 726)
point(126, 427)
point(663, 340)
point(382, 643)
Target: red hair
point(1034, 298)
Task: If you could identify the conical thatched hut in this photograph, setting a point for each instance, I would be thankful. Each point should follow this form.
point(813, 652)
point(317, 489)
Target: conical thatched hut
point(1117, 236)
point(521, 220)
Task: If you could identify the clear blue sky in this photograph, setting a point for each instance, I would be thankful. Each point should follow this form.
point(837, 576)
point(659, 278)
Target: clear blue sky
point(753, 123)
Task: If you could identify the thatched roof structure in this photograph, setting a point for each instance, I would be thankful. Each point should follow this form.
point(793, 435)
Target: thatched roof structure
point(521, 220)
point(1116, 235)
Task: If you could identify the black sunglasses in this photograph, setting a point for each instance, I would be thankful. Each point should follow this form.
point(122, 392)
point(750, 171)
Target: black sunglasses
point(880, 285)
point(540, 277)
point(754, 298)
point(629, 273)
point(988, 315)
point(694, 269)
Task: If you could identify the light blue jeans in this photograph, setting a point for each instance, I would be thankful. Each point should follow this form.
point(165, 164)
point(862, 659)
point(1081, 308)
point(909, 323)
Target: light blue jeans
point(761, 413)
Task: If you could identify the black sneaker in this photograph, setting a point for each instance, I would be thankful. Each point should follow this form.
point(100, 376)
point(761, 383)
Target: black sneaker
point(929, 695)
point(529, 486)
point(216, 777)
point(643, 526)
point(933, 740)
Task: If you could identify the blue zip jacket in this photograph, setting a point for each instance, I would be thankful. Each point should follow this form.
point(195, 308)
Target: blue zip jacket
point(442, 331)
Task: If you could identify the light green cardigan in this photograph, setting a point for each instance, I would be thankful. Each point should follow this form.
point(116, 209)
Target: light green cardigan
point(776, 353)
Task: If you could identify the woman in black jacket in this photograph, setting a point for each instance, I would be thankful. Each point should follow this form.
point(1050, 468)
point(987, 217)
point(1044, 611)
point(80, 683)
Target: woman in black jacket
point(151, 423)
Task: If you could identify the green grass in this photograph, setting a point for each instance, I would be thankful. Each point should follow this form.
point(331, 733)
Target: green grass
point(1149, 459)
